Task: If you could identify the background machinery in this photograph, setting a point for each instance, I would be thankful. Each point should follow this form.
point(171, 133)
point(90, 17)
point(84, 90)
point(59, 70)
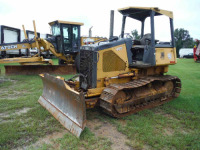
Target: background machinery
point(122, 76)
point(64, 44)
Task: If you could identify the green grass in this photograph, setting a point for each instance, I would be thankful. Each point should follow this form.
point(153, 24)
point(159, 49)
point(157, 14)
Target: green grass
point(174, 125)
point(16, 130)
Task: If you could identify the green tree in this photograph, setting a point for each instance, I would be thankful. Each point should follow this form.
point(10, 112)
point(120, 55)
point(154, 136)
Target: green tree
point(135, 34)
point(182, 39)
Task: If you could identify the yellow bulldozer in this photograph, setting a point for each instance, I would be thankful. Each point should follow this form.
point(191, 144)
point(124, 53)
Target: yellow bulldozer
point(121, 76)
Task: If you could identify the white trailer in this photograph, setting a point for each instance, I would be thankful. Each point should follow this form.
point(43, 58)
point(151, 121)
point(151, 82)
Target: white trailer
point(185, 51)
point(9, 35)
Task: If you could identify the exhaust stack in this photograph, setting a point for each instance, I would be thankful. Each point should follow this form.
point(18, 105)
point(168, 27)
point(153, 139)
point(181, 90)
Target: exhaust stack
point(90, 31)
point(111, 23)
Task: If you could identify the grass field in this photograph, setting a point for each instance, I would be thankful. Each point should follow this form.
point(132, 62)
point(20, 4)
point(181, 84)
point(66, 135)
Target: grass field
point(175, 125)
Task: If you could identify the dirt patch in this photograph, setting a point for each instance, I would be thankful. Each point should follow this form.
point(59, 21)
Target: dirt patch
point(11, 94)
point(186, 131)
point(122, 122)
point(17, 112)
point(4, 115)
point(168, 131)
point(169, 116)
point(2, 79)
point(105, 129)
point(5, 121)
point(22, 111)
point(49, 139)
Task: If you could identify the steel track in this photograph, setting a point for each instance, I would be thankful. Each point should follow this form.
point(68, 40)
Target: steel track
point(136, 104)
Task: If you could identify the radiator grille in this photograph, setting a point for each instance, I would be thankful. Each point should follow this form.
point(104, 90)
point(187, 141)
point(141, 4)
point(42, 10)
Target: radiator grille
point(112, 62)
point(87, 67)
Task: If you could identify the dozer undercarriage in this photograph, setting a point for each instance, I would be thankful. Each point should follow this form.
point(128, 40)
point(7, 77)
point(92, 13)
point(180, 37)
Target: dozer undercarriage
point(68, 105)
point(119, 100)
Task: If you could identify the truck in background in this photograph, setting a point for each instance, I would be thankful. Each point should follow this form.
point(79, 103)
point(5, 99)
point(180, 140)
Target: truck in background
point(185, 51)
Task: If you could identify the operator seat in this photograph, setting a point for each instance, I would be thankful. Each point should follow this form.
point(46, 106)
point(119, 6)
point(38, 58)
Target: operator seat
point(138, 48)
point(145, 39)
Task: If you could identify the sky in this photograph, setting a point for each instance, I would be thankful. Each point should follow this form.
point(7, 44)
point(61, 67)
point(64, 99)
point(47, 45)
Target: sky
point(14, 13)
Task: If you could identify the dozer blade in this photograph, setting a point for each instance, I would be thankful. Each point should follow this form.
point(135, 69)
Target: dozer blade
point(65, 104)
point(38, 69)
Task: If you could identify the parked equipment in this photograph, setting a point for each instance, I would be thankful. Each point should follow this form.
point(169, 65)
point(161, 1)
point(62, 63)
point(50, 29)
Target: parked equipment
point(64, 43)
point(196, 51)
point(122, 76)
point(65, 40)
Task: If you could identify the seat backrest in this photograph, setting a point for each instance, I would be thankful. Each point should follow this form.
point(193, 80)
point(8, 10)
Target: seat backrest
point(144, 38)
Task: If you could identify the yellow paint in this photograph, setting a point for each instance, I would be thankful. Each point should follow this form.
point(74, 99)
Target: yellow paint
point(100, 83)
point(26, 61)
point(165, 56)
point(13, 46)
point(119, 50)
point(106, 78)
point(66, 22)
point(122, 80)
point(34, 26)
point(25, 35)
point(104, 83)
point(94, 92)
point(164, 12)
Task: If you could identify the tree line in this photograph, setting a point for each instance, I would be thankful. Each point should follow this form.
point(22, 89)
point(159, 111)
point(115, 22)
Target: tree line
point(181, 36)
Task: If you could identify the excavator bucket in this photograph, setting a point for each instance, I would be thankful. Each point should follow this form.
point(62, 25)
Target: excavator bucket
point(65, 104)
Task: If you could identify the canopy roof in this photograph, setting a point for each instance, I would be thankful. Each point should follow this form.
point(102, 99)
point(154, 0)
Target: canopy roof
point(140, 13)
point(65, 22)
